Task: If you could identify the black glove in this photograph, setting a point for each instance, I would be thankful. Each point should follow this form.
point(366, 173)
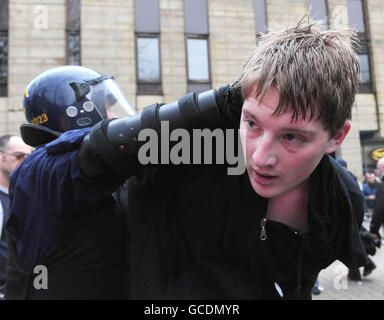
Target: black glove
point(229, 99)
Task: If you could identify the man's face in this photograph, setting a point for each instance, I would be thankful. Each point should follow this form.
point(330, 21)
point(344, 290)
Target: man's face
point(281, 154)
point(380, 166)
point(13, 155)
point(371, 177)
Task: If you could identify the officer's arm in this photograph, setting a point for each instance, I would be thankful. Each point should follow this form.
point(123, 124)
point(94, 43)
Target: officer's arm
point(113, 145)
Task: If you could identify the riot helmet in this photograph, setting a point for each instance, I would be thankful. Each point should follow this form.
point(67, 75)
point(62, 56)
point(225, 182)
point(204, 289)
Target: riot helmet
point(67, 98)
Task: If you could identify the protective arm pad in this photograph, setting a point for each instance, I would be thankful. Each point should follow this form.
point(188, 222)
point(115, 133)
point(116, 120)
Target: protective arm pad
point(98, 157)
point(113, 145)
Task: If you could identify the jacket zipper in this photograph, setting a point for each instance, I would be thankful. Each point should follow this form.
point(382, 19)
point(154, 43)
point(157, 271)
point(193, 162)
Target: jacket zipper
point(263, 232)
point(263, 237)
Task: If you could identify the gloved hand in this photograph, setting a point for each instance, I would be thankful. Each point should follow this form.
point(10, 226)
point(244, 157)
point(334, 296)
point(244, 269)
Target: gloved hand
point(230, 100)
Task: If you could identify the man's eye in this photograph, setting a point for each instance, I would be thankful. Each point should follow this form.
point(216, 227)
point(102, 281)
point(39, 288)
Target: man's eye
point(290, 137)
point(293, 138)
point(251, 124)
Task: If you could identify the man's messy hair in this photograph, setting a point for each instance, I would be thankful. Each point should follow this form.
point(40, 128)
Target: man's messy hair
point(315, 70)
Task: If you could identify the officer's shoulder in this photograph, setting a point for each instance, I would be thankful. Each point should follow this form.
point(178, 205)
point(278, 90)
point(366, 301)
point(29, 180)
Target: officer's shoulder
point(68, 141)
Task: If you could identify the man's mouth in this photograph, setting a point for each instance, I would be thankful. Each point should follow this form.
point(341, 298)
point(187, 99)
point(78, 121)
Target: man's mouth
point(262, 178)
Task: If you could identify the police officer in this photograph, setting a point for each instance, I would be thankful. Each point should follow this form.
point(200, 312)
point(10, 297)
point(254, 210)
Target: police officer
point(67, 235)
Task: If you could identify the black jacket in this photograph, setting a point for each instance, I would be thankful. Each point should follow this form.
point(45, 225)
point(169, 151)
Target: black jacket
point(68, 224)
point(378, 212)
point(195, 234)
point(4, 202)
point(88, 265)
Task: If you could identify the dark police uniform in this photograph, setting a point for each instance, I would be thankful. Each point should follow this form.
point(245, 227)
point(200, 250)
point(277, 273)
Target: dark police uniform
point(67, 223)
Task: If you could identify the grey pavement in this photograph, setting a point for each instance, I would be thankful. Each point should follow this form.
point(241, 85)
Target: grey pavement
point(337, 286)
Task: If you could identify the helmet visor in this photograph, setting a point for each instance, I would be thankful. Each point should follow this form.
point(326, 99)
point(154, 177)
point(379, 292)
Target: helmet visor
point(108, 100)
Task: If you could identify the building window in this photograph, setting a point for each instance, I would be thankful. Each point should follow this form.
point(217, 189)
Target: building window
point(148, 67)
point(357, 21)
point(4, 20)
point(198, 62)
point(198, 70)
point(318, 10)
point(148, 64)
point(197, 45)
point(73, 44)
point(260, 18)
point(363, 55)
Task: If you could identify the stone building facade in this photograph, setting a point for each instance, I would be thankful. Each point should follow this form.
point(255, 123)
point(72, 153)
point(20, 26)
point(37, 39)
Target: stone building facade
point(108, 30)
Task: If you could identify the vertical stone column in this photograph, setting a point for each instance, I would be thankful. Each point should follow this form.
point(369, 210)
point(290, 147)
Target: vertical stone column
point(172, 49)
point(376, 27)
point(282, 14)
point(232, 38)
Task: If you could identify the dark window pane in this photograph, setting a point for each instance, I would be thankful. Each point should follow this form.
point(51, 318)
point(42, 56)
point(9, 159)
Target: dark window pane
point(73, 14)
point(366, 135)
point(3, 63)
point(318, 10)
point(365, 73)
point(4, 14)
point(198, 67)
point(73, 32)
point(73, 48)
point(147, 17)
point(260, 16)
point(362, 45)
point(147, 27)
point(148, 56)
point(4, 22)
point(196, 16)
point(356, 15)
point(147, 88)
point(3, 54)
point(198, 87)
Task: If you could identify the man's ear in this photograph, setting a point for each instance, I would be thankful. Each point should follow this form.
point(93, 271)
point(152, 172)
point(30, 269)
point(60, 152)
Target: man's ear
point(339, 137)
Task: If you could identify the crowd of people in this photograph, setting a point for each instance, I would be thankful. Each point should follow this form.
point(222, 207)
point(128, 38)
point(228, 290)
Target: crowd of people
point(372, 188)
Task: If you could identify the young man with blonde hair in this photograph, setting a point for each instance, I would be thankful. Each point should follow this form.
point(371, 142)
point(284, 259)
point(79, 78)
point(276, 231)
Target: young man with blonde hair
point(267, 233)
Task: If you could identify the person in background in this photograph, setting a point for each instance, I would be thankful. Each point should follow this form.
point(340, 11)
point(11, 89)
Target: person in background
point(344, 165)
point(380, 169)
point(369, 191)
point(369, 240)
point(317, 289)
point(12, 152)
point(378, 212)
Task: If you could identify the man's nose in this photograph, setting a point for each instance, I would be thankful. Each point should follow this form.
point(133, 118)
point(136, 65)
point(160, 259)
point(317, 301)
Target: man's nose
point(264, 154)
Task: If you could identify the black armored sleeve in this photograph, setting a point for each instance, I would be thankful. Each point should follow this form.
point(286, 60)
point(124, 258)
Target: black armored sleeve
point(112, 146)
